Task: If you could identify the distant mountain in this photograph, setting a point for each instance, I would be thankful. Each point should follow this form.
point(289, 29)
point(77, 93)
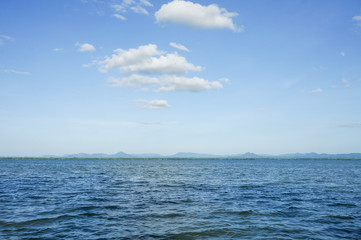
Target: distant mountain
point(247, 155)
point(193, 155)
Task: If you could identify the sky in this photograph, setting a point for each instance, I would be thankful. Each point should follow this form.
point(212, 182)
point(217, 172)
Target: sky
point(147, 76)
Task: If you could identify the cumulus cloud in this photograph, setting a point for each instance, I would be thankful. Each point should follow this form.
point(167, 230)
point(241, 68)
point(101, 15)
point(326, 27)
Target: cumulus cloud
point(15, 72)
point(153, 104)
point(318, 90)
point(195, 84)
point(85, 47)
point(196, 15)
point(147, 59)
point(147, 67)
point(116, 15)
point(179, 46)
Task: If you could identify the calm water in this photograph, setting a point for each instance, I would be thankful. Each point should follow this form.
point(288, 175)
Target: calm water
point(180, 199)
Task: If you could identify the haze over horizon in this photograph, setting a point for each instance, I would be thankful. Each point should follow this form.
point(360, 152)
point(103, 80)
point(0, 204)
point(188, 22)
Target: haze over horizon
point(145, 76)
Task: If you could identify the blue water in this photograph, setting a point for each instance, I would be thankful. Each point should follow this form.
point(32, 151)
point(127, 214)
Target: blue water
point(180, 199)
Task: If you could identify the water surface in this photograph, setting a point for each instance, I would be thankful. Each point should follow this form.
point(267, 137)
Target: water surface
point(180, 199)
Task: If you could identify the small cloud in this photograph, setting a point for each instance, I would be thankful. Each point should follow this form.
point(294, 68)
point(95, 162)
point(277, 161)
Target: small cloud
point(342, 54)
point(196, 15)
point(139, 9)
point(334, 86)
point(116, 15)
point(153, 104)
point(4, 38)
point(146, 3)
point(225, 80)
point(179, 46)
point(358, 20)
point(318, 90)
point(350, 125)
point(15, 72)
point(58, 49)
point(85, 47)
point(136, 7)
point(347, 84)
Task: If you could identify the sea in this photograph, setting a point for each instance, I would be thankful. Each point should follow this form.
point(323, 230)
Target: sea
point(179, 199)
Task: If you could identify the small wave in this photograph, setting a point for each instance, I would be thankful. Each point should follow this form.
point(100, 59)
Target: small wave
point(37, 221)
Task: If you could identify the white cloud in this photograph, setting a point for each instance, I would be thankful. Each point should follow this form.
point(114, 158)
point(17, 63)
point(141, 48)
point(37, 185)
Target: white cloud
point(147, 59)
point(136, 7)
point(179, 46)
point(195, 84)
point(58, 49)
point(15, 72)
point(347, 84)
point(139, 9)
point(133, 81)
point(149, 68)
point(153, 104)
point(85, 47)
point(356, 18)
point(146, 3)
point(318, 90)
point(116, 15)
point(196, 15)
point(342, 54)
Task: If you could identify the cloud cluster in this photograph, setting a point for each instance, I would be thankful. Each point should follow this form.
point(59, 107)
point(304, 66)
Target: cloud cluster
point(135, 6)
point(196, 15)
point(147, 65)
point(153, 104)
point(85, 47)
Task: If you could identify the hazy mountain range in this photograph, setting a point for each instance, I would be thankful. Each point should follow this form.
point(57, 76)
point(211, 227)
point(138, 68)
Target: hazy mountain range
point(247, 155)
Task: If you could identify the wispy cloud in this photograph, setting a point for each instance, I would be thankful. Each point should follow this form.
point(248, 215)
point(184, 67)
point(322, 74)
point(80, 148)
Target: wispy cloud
point(58, 49)
point(4, 38)
point(85, 47)
point(342, 54)
point(357, 19)
point(153, 104)
point(350, 125)
point(15, 72)
point(225, 80)
point(196, 15)
point(116, 15)
point(318, 90)
point(347, 84)
point(138, 7)
point(179, 46)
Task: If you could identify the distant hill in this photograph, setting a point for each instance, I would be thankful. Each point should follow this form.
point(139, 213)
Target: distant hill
point(247, 155)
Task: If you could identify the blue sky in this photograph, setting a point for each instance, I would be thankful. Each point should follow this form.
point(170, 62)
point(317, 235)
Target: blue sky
point(221, 77)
